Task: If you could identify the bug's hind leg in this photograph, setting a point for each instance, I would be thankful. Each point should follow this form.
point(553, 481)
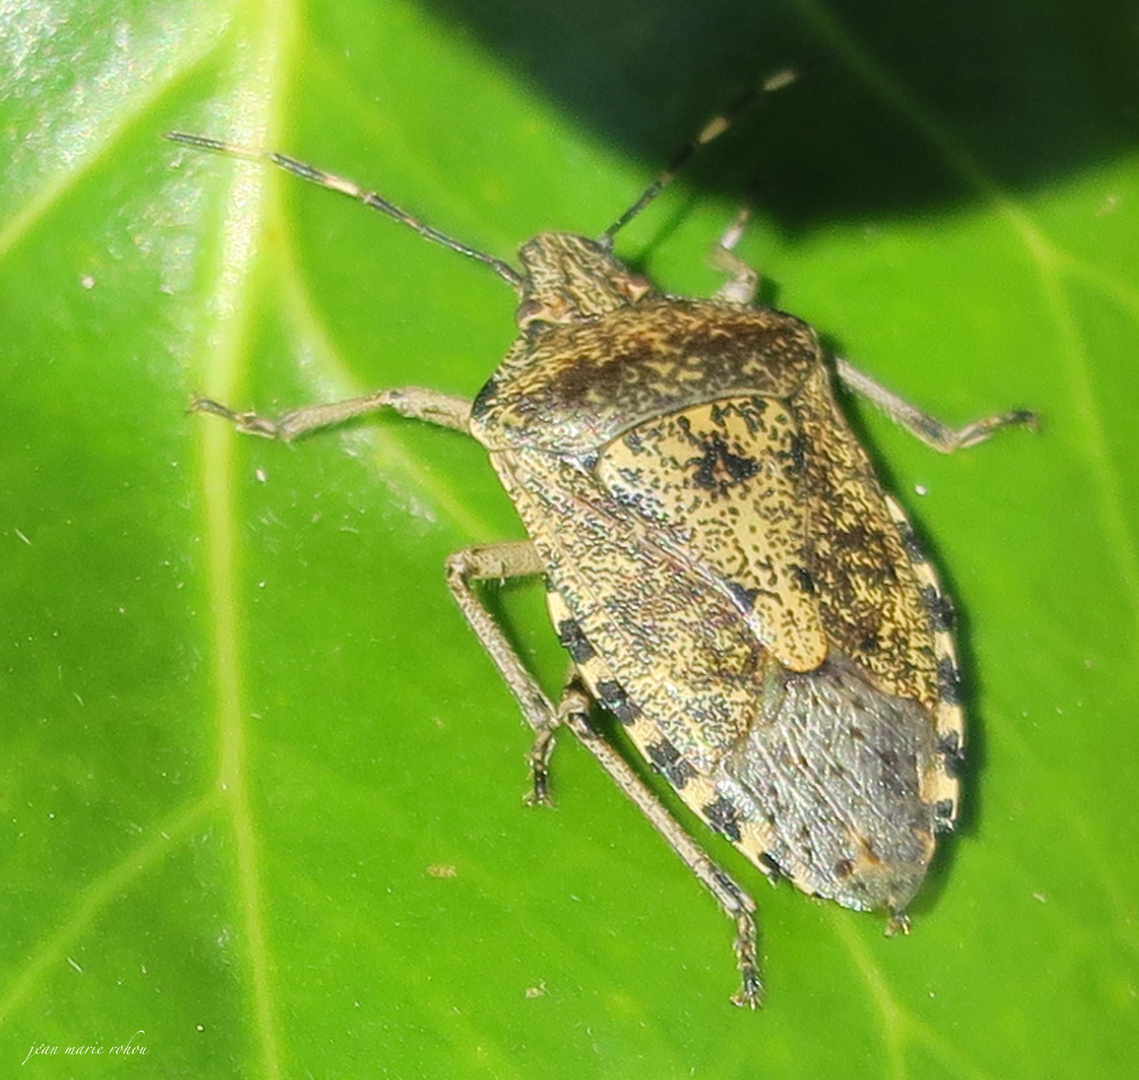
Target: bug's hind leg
point(573, 712)
point(500, 562)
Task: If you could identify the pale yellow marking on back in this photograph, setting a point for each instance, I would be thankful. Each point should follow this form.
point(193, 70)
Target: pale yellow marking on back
point(721, 475)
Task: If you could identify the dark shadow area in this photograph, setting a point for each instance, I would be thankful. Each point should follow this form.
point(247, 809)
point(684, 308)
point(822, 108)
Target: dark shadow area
point(1031, 89)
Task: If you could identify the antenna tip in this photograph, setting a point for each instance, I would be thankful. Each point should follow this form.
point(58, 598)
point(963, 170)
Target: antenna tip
point(783, 77)
point(216, 146)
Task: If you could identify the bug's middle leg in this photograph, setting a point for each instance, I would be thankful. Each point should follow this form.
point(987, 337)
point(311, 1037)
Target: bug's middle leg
point(499, 562)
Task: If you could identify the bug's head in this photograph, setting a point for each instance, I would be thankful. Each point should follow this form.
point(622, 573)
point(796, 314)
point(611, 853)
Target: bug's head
point(570, 279)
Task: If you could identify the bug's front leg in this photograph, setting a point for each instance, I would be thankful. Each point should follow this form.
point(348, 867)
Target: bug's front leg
point(414, 402)
point(743, 280)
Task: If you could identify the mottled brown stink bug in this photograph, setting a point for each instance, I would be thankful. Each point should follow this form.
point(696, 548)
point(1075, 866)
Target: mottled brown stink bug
point(726, 573)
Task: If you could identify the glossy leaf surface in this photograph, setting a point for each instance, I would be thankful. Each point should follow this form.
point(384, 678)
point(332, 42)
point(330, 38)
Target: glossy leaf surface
point(262, 790)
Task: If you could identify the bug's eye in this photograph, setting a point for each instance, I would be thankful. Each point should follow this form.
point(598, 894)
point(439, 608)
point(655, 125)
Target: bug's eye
point(535, 317)
point(528, 311)
point(532, 317)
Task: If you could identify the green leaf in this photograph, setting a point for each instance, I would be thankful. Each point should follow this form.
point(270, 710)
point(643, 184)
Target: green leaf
point(262, 790)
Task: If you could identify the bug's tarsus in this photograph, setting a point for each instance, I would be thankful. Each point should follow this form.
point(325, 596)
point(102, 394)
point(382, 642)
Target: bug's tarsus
point(539, 758)
point(246, 422)
point(354, 191)
point(750, 995)
point(899, 923)
point(713, 129)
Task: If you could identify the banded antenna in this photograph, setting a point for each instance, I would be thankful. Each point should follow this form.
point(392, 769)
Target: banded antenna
point(712, 130)
point(354, 191)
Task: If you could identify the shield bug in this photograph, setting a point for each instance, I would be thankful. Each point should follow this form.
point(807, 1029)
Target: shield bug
point(728, 576)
